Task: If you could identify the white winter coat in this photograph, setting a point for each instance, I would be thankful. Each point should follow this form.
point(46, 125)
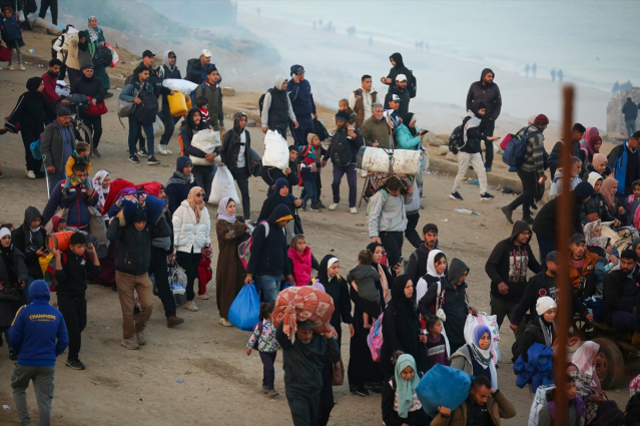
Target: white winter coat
point(187, 233)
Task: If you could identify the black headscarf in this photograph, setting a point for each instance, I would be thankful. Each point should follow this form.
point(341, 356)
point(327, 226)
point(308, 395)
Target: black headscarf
point(83, 46)
point(33, 84)
point(7, 257)
point(407, 120)
point(397, 58)
point(403, 306)
point(372, 248)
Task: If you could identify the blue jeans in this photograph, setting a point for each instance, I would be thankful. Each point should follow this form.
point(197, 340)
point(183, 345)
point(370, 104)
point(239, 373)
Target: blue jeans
point(546, 245)
point(310, 192)
point(352, 180)
point(269, 285)
point(134, 128)
point(631, 127)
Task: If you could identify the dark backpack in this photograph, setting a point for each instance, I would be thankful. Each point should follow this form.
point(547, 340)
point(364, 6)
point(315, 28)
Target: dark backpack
point(412, 85)
point(102, 57)
point(514, 153)
point(194, 93)
point(261, 101)
point(609, 414)
point(456, 140)
point(320, 130)
point(147, 110)
point(632, 411)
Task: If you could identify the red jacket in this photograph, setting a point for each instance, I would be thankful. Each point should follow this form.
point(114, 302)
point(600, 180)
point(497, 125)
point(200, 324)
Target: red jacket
point(302, 264)
point(49, 91)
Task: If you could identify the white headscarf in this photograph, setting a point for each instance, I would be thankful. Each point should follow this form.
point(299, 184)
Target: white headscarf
point(97, 186)
point(222, 210)
point(583, 357)
point(474, 121)
point(4, 232)
point(431, 263)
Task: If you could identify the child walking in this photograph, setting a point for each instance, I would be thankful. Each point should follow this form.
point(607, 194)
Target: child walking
point(263, 339)
point(436, 346)
point(302, 259)
point(363, 279)
point(80, 156)
point(309, 171)
point(12, 35)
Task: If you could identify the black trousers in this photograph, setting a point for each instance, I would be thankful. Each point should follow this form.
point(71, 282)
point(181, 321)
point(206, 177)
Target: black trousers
point(169, 122)
point(525, 199)
point(487, 127)
point(411, 233)
point(95, 125)
point(241, 176)
point(204, 176)
point(189, 262)
point(326, 395)
point(46, 4)
point(28, 137)
point(304, 407)
point(392, 243)
point(74, 74)
point(158, 268)
point(74, 312)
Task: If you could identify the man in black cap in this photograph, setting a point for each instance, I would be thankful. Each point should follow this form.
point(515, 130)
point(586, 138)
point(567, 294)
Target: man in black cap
point(488, 92)
point(391, 108)
point(303, 361)
point(630, 111)
point(345, 144)
point(57, 144)
point(91, 86)
point(303, 105)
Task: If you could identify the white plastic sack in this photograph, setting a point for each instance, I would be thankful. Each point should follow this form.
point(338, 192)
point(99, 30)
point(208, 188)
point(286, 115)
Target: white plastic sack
point(180, 85)
point(207, 141)
point(222, 186)
point(491, 322)
point(158, 127)
point(276, 151)
point(62, 88)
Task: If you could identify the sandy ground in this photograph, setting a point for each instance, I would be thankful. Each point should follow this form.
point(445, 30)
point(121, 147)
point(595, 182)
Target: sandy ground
point(220, 381)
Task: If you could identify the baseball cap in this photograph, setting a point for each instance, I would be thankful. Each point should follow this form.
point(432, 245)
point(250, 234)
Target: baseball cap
point(395, 98)
point(297, 70)
point(401, 77)
point(148, 54)
point(577, 238)
point(205, 52)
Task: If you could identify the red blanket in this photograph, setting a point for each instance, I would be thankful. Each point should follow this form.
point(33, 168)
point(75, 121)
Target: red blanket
point(151, 188)
point(307, 304)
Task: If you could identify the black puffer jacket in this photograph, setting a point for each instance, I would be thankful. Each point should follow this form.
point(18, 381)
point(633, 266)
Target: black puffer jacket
point(488, 94)
point(89, 87)
point(30, 242)
point(231, 146)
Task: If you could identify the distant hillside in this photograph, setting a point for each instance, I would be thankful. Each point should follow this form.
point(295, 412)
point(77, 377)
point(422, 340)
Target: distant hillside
point(219, 13)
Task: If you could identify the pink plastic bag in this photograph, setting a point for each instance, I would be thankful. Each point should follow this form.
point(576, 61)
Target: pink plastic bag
point(374, 339)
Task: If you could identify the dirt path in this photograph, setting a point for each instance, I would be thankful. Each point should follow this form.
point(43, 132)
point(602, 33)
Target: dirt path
point(220, 381)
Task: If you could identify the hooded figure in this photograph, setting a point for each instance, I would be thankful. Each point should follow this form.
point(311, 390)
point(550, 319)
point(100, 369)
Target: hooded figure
point(596, 208)
point(400, 68)
point(401, 328)
point(474, 360)
point(30, 240)
point(337, 288)
point(203, 173)
point(275, 200)
point(432, 276)
point(544, 224)
point(168, 70)
point(179, 184)
point(276, 108)
point(13, 272)
point(489, 94)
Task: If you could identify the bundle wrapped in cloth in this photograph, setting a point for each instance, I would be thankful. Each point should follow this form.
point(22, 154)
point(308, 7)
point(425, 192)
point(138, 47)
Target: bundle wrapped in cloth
point(299, 304)
point(125, 207)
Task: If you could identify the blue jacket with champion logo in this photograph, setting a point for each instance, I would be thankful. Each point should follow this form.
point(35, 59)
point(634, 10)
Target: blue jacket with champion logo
point(38, 333)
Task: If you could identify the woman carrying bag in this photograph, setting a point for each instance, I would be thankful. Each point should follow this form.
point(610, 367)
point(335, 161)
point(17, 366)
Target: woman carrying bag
point(96, 40)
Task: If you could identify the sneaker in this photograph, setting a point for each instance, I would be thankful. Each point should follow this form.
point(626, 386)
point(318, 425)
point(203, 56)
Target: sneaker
point(313, 209)
point(162, 149)
point(173, 321)
point(486, 197)
point(225, 322)
point(528, 219)
point(487, 169)
point(265, 390)
point(30, 174)
point(333, 206)
point(21, 68)
point(140, 338)
point(320, 205)
point(108, 95)
point(3, 131)
point(142, 152)
point(10, 68)
point(508, 213)
point(151, 161)
point(191, 306)
point(97, 153)
point(134, 159)
point(203, 296)
point(353, 210)
point(130, 344)
point(272, 393)
point(361, 391)
point(456, 196)
point(75, 364)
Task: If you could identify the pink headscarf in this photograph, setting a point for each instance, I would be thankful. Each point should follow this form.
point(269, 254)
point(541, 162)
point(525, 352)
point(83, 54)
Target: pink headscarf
point(591, 138)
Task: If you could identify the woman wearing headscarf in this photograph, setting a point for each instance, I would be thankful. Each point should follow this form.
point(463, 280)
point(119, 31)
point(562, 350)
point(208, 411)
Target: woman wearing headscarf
point(582, 369)
point(600, 165)
point(78, 55)
point(101, 183)
point(96, 39)
point(401, 329)
point(436, 273)
point(281, 195)
point(236, 155)
point(400, 404)
point(596, 207)
point(336, 287)
point(475, 358)
point(407, 135)
point(615, 206)
point(397, 67)
point(540, 330)
point(29, 117)
point(591, 143)
point(191, 228)
point(13, 278)
point(362, 369)
point(599, 244)
point(230, 273)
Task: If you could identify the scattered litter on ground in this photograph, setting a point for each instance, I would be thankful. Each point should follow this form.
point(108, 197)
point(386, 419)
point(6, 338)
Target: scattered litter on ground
point(444, 220)
point(6, 407)
point(467, 211)
point(473, 182)
point(180, 381)
point(359, 224)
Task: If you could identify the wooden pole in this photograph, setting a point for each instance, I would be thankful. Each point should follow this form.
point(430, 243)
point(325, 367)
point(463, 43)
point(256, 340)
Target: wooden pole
point(564, 227)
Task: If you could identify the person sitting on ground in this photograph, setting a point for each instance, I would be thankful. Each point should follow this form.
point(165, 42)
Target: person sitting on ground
point(470, 152)
point(507, 267)
point(576, 409)
point(80, 155)
point(72, 267)
point(417, 264)
point(484, 407)
point(388, 217)
point(599, 244)
point(363, 279)
point(632, 202)
point(343, 105)
point(556, 182)
point(435, 273)
point(453, 303)
point(179, 185)
point(621, 290)
point(596, 208)
point(582, 265)
point(541, 330)
point(582, 370)
point(598, 165)
point(615, 205)
point(476, 358)
point(400, 404)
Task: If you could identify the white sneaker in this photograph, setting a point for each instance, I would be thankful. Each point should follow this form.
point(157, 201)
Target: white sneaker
point(30, 174)
point(364, 173)
point(353, 210)
point(168, 150)
point(191, 306)
point(10, 68)
point(333, 206)
point(162, 149)
point(21, 68)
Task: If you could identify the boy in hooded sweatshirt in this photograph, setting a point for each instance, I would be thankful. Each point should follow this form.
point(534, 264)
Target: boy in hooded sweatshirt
point(364, 276)
point(38, 336)
point(507, 267)
point(276, 108)
point(179, 185)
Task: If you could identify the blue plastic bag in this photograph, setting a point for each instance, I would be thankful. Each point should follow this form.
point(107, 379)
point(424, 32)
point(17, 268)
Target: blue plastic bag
point(443, 387)
point(245, 309)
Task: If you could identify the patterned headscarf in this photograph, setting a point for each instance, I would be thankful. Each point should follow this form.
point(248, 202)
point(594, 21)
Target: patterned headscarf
point(97, 186)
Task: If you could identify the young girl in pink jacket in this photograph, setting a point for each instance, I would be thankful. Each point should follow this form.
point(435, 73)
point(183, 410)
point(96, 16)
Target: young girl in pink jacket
point(302, 259)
